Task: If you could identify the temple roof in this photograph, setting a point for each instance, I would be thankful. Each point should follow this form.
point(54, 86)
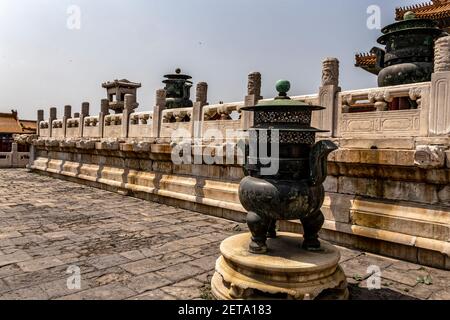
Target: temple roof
point(435, 10)
point(28, 126)
point(367, 61)
point(11, 125)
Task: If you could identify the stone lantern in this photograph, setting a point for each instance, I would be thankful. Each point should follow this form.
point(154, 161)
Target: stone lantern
point(265, 264)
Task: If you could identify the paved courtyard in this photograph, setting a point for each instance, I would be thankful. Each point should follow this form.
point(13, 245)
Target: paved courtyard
point(132, 249)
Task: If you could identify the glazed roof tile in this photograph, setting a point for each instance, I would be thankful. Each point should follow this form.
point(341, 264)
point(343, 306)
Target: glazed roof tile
point(435, 10)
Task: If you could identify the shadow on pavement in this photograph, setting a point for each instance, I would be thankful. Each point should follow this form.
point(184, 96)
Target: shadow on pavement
point(357, 293)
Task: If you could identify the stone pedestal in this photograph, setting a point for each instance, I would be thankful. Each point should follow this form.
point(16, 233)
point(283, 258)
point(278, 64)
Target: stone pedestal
point(286, 272)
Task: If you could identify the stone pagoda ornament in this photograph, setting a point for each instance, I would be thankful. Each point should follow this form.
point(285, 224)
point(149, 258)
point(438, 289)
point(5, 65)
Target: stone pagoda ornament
point(117, 90)
point(265, 264)
point(178, 90)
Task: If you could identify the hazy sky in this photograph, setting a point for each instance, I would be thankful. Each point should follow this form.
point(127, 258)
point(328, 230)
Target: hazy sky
point(43, 63)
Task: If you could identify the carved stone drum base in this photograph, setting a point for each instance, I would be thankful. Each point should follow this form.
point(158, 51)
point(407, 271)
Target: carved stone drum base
point(285, 272)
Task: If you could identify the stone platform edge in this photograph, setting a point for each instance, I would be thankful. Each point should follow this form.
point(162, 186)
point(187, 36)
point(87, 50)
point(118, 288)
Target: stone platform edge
point(220, 199)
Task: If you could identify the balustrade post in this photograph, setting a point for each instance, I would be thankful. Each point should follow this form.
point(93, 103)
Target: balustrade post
point(67, 116)
point(130, 104)
point(104, 111)
point(197, 112)
point(84, 114)
point(157, 112)
point(439, 114)
point(53, 116)
point(252, 98)
point(327, 119)
point(14, 155)
point(40, 118)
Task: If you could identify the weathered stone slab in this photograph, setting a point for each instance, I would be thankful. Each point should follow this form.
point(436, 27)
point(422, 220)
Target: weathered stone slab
point(16, 257)
point(447, 159)
point(134, 255)
point(58, 235)
point(155, 264)
point(180, 272)
point(185, 290)
point(40, 264)
point(444, 195)
point(408, 278)
point(364, 143)
point(331, 184)
point(391, 190)
point(337, 207)
point(358, 267)
point(10, 235)
point(147, 282)
point(108, 292)
point(107, 224)
point(32, 293)
point(154, 295)
point(423, 221)
point(59, 288)
point(206, 263)
point(109, 261)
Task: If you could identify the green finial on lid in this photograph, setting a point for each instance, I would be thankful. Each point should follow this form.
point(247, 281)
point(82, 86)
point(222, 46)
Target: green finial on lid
point(409, 15)
point(283, 87)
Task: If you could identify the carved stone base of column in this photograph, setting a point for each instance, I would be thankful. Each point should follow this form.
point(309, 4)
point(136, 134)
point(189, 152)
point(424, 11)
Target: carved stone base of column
point(286, 272)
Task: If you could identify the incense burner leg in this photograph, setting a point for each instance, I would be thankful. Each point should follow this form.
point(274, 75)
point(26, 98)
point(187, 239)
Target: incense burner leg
point(311, 227)
point(258, 227)
point(272, 231)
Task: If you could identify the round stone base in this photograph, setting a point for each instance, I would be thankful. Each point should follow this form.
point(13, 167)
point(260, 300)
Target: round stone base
point(285, 272)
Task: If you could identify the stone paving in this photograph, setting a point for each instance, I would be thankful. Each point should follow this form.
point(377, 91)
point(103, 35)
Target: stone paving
point(132, 249)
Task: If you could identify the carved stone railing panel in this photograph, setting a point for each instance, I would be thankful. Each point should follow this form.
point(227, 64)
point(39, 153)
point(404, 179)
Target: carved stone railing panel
point(113, 120)
point(14, 159)
point(23, 158)
point(223, 112)
point(44, 130)
point(402, 123)
point(91, 127)
point(141, 125)
point(139, 118)
point(380, 98)
point(177, 115)
point(113, 126)
point(312, 99)
point(91, 121)
point(222, 121)
point(5, 159)
point(184, 129)
point(221, 129)
point(57, 124)
point(176, 120)
point(73, 123)
point(73, 128)
point(58, 130)
point(379, 121)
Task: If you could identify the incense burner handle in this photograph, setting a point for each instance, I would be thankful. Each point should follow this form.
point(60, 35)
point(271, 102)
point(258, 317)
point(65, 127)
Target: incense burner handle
point(318, 161)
